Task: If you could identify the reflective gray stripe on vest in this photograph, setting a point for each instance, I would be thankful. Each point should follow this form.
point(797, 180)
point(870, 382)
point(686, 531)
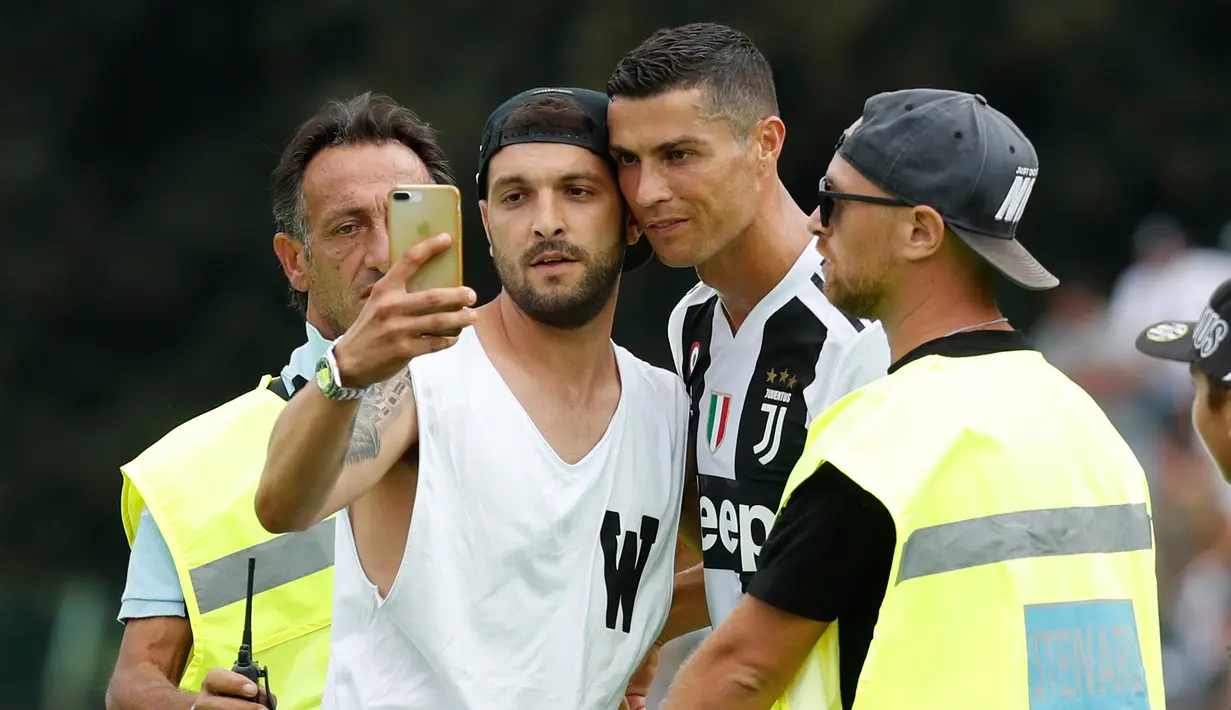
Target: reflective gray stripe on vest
point(279, 561)
point(1031, 533)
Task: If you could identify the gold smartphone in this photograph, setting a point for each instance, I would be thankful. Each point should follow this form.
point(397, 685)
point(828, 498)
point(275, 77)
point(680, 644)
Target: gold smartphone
point(417, 213)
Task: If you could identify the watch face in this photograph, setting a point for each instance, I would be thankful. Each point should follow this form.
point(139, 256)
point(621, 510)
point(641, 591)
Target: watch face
point(322, 376)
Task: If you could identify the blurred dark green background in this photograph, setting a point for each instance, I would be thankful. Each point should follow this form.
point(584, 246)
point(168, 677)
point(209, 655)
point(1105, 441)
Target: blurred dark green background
point(140, 288)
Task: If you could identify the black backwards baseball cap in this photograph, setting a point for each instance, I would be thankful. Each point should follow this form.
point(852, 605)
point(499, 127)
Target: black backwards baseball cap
point(594, 105)
point(953, 152)
point(1204, 341)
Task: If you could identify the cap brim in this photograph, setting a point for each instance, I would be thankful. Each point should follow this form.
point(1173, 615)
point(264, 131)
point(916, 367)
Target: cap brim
point(1010, 258)
point(1169, 340)
point(638, 255)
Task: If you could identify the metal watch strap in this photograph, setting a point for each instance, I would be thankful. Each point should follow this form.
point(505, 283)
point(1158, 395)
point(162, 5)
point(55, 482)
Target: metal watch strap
point(329, 380)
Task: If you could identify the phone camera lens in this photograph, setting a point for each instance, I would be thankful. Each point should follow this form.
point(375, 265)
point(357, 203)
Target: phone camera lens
point(401, 196)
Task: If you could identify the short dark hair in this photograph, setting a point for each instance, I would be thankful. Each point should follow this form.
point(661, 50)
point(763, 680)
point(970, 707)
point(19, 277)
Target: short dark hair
point(722, 60)
point(550, 115)
point(365, 119)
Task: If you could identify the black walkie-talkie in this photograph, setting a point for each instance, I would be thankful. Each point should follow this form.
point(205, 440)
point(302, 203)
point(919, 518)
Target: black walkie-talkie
point(244, 665)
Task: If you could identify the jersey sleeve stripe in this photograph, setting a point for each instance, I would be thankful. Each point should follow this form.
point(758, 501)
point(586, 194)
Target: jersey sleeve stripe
point(820, 286)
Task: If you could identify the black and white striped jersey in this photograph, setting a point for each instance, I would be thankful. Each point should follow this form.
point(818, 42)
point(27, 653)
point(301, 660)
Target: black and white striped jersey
point(753, 394)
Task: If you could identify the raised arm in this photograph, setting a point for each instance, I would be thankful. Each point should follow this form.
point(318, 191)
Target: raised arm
point(325, 453)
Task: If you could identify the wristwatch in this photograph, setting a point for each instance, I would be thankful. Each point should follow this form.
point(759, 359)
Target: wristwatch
point(330, 381)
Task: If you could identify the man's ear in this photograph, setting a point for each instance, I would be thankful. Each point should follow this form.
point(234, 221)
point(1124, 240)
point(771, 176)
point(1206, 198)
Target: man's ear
point(927, 233)
point(632, 230)
point(487, 232)
point(770, 135)
point(293, 257)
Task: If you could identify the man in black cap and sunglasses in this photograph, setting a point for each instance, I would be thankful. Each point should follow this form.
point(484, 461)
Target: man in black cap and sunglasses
point(969, 531)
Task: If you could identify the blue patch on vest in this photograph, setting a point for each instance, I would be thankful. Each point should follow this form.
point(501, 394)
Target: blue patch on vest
point(1085, 656)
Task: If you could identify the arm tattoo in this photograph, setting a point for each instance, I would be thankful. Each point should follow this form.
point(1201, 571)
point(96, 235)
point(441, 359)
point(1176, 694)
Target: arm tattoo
point(375, 407)
point(364, 439)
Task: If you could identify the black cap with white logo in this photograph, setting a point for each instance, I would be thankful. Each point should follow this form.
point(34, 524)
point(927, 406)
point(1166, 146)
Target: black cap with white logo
point(594, 105)
point(953, 152)
point(1204, 341)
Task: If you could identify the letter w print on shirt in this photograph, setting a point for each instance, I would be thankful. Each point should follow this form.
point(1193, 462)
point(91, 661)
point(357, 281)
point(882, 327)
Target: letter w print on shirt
point(623, 564)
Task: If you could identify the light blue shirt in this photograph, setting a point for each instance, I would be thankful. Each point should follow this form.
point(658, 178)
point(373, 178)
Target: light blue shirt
point(153, 587)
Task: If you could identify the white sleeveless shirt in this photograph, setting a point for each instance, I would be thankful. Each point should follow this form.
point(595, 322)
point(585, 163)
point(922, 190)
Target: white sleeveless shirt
point(526, 582)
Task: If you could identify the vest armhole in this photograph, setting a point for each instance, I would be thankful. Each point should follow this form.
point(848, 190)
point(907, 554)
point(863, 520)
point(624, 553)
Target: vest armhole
point(131, 505)
point(278, 387)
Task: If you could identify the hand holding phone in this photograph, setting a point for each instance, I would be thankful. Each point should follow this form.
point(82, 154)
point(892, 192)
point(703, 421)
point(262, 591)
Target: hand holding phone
point(398, 323)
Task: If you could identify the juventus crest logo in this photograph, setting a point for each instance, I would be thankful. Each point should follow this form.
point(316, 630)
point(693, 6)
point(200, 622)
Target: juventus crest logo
point(775, 406)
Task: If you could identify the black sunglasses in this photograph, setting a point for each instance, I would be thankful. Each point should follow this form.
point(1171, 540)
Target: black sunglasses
point(829, 201)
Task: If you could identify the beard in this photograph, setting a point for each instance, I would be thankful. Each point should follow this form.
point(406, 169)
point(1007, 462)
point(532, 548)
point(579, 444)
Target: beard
point(336, 314)
point(861, 297)
point(338, 304)
point(565, 310)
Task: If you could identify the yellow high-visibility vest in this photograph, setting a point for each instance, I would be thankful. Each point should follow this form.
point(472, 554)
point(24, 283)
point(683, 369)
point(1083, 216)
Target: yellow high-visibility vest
point(1023, 576)
point(199, 483)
